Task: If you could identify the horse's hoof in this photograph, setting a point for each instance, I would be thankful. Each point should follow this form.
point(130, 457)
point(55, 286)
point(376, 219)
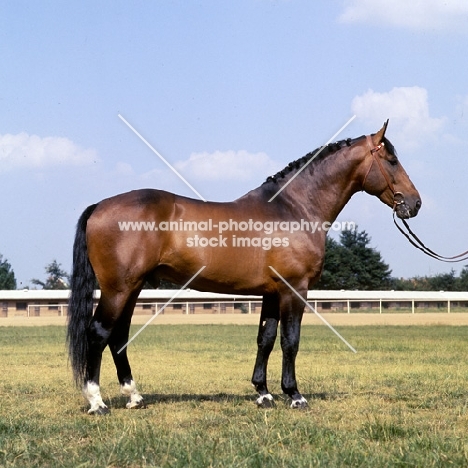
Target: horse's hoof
point(100, 411)
point(301, 403)
point(136, 404)
point(265, 401)
point(267, 404)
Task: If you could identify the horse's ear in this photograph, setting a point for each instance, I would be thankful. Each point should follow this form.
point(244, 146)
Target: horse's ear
point(379, 136)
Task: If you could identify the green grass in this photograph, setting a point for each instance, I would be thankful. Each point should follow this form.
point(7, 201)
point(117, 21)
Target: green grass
point(400, 401)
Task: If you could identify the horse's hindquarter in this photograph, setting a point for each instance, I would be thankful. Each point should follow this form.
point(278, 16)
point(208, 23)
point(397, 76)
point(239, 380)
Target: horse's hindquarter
point(173, 237)
point(122, 241)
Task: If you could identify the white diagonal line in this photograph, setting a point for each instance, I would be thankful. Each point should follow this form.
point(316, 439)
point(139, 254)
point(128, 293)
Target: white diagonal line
point(311, 159)
point(160, 310)
point(313, 310)
point(169, 165)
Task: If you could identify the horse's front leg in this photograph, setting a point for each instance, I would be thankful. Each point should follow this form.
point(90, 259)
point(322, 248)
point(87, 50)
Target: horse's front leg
point(292, 309)
point(267, 332)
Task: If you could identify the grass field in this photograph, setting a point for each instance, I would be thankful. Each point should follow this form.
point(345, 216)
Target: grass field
point(400, 401)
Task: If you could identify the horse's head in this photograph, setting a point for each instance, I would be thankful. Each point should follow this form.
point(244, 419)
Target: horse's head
point(386, 178)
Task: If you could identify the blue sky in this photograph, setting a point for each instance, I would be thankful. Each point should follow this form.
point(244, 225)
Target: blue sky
point(237, 88)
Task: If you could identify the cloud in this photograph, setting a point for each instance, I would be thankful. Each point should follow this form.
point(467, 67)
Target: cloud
point(408, 111)
point(123, 169)
point(31, 151)
point(228, 165)
point(450, 15)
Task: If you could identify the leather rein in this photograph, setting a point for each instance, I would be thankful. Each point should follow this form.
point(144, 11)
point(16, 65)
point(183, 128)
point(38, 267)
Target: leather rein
point(398, 199)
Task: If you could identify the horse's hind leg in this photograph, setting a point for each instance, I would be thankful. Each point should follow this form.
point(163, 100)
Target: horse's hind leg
point(97, 337)
point(109, 325)
point(118, 346)
point(267, 332)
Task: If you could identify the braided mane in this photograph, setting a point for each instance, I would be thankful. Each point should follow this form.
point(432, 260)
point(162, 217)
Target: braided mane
point(317, 154)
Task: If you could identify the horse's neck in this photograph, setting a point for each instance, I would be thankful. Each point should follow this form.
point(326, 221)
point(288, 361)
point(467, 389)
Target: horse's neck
point(322, 191)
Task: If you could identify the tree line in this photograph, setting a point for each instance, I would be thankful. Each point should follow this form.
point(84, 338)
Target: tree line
point(350, 264)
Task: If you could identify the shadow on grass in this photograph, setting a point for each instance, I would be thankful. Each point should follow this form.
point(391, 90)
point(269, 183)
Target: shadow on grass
point(222, 398)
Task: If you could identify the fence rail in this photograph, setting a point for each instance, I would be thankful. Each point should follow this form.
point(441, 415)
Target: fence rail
point(254, 307)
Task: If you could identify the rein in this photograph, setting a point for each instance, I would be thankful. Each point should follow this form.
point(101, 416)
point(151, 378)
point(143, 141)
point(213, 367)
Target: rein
point(419, 244)
point(410, 235)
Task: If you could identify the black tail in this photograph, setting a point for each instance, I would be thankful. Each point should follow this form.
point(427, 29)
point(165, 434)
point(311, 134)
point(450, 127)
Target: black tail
point(80, 304)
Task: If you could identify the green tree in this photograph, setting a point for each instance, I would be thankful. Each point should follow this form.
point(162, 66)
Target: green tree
point(353, 264)
point(7, 275)
point(463, 279)
point(443, 282)
point(417, 283)
point(438, 282)
point(56, 279)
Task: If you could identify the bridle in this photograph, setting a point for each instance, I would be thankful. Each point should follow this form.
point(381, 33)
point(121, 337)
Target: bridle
point(399, 199)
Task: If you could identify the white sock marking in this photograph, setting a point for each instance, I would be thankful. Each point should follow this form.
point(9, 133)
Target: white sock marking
point(130, 390)
point(299, 403)
point(261, 399)
point(92, 393)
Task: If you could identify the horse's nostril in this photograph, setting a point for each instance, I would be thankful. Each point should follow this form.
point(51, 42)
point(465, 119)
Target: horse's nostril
point(418, 204)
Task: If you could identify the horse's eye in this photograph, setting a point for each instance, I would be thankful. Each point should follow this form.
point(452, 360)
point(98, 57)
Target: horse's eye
point(394, 162)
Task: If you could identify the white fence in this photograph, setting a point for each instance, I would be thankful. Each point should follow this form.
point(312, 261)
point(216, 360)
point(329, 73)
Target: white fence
point(254, 307)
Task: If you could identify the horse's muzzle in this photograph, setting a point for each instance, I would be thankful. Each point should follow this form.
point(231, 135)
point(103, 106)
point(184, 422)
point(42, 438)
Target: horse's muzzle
point(406, 207)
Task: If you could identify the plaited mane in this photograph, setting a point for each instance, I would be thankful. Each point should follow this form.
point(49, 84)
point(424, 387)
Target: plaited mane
point(329, 149)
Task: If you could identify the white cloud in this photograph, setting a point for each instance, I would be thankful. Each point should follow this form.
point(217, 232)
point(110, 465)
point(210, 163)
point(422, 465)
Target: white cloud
point(31, 151)
point(450, 15)
point(408, 111)
point(124, 169)
point(227, 165)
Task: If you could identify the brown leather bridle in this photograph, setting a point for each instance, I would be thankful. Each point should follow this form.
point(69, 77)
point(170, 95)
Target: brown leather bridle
point(399, 199)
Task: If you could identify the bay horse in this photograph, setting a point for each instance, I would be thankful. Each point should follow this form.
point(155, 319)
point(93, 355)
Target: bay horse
point(123, 260)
